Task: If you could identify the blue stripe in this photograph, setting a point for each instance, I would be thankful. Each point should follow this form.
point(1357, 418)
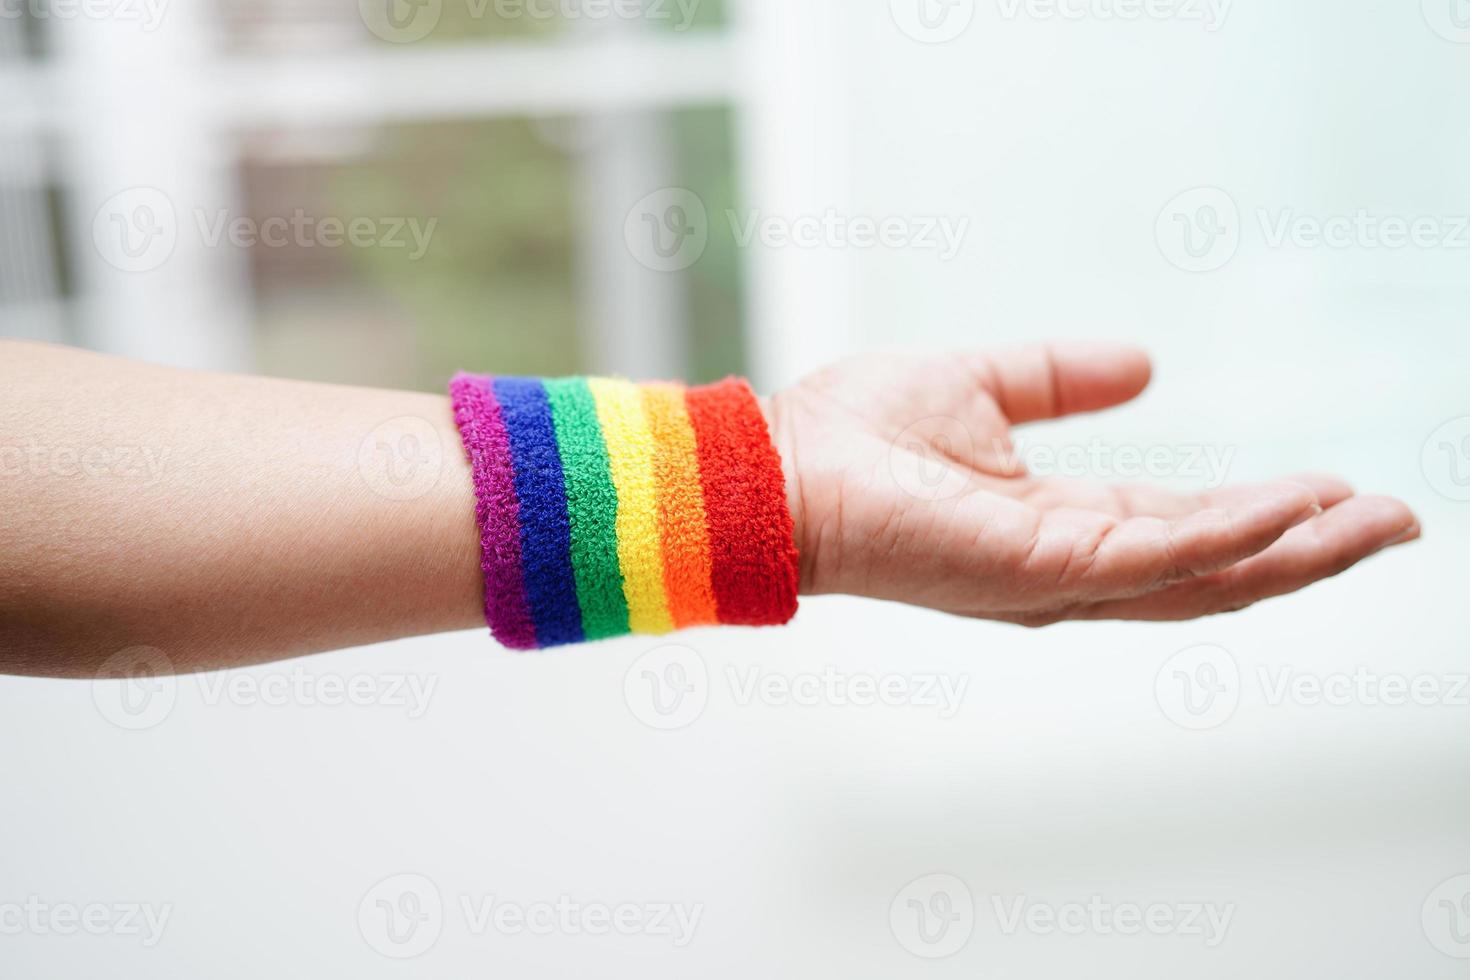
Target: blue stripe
point(546, 537)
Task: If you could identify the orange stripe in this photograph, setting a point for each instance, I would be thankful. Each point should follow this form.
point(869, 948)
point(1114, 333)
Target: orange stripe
point(682, 524)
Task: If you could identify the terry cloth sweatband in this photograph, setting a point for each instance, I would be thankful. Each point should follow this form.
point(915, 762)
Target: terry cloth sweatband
point(607, 507)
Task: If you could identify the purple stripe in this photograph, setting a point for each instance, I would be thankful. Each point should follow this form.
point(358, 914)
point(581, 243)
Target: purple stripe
point(482, 428)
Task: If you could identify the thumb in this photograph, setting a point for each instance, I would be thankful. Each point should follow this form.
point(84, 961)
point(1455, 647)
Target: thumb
point(1047, 381)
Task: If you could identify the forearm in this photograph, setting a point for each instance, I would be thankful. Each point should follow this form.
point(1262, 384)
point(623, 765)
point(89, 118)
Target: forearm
point(221, 519)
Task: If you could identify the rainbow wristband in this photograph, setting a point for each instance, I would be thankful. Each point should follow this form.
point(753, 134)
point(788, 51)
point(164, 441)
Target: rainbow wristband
point(608, 508)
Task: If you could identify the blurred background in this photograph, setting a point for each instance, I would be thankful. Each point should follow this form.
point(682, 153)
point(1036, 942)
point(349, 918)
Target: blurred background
point(1271, 197)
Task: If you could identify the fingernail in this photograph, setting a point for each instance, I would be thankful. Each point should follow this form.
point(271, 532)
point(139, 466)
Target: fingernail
point(1314, 506)
point(1403, 537)
point(1306, 515)
point(1272, 505)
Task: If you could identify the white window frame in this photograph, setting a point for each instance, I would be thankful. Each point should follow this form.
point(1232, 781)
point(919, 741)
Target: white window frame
point(163, 109)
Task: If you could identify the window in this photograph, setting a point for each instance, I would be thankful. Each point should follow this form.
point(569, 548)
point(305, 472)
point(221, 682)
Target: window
point(377, 192)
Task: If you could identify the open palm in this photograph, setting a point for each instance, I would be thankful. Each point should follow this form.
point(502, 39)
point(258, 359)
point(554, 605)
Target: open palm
point(905, 486)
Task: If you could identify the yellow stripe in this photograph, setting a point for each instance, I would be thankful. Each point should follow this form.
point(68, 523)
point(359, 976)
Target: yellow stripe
point(630, 455)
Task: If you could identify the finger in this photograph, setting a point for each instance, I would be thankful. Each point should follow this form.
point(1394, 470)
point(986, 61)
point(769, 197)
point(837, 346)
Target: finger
point(1319, 549)
point(1130, 500)
point(1143, 554)
point(1045, 381)
point(1328, 489)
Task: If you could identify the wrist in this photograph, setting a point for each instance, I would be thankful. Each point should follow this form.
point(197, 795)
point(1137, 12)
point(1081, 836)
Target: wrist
point(607, 507)
point(779, 424)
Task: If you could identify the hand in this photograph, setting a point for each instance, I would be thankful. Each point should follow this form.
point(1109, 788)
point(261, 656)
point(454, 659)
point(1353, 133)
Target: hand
point(1005, 545)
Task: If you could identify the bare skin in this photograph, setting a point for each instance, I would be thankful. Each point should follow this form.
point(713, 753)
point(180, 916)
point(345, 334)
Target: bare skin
point(255, 536)
point(1000, 544)
point(227, 520)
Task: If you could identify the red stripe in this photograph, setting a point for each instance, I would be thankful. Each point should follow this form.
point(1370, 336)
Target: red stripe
point(755, 570)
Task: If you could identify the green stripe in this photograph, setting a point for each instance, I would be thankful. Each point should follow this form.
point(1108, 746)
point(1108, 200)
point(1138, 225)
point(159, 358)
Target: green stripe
point(592, 507)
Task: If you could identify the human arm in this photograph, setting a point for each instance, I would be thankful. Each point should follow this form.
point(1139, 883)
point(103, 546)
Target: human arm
point(254, 519)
